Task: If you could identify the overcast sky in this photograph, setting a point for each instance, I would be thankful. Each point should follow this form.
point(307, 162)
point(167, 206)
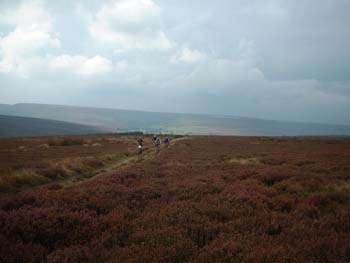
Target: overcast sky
point(274, 59)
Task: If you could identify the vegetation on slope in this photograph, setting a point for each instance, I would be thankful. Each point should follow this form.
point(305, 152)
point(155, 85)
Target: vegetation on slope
point(172, 123)
point(14, 126)
point(206, 199)
point(28, 162)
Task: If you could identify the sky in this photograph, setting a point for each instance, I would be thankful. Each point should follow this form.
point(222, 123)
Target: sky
point(273, 59)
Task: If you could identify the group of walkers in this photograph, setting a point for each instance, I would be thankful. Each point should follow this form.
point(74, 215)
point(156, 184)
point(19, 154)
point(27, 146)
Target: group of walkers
point(156, 141)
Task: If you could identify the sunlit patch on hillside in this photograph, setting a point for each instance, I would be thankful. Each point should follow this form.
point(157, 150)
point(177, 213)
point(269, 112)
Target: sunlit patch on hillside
point(245, 161)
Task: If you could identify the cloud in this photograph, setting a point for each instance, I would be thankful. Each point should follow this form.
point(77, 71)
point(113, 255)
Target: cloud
point(130, 24)
point(270, 8)
point(32, 33)
point(188, 55)
point(272, 59)
point(82, 65)
point(238, 85)
point(217, 74)
point(25, 49)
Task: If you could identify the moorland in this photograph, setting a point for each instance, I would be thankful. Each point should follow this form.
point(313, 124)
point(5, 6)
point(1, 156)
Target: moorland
point(202, 199)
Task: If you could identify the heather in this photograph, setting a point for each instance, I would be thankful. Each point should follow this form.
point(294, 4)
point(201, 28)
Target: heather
point(204, 199)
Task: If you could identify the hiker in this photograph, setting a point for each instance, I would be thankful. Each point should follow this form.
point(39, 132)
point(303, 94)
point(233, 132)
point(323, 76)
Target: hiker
point(166, 141)
point(154, 138)
point(157, 144)
point(140, 145)
point(140, 141)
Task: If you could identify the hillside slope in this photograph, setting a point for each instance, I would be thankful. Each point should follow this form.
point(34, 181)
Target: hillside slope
point(155, 122)
point(12, 126)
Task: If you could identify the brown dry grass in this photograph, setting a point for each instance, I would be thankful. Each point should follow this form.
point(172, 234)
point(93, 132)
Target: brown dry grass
point(21, 178)
point(79, 168)
point(245, 161)
point(28, 162)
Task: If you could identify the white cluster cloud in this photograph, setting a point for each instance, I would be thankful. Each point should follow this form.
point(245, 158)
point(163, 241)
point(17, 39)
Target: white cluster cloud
point(25, 49)
point(188, 55)
point(32, 33)
point(130, 24)
point(82, 65)
point(216, 74)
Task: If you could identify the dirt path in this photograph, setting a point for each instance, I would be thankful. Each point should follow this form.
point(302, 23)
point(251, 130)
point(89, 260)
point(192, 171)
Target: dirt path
point(147, 154)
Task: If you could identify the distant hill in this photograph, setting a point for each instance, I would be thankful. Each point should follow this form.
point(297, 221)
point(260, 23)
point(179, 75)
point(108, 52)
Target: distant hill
point(155, 122)
point(13, 126)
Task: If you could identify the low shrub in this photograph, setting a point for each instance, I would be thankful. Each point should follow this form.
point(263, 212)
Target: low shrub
point(56, 171)
point(270, 180)
point(27, 177)
point(5, 186)
point(58, 141)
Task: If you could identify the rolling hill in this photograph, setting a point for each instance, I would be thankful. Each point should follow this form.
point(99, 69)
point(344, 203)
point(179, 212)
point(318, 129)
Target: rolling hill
point(173, 123)
point(13, 126)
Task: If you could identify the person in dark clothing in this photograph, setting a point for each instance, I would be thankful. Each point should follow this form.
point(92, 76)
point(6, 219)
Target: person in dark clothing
point(140, 141)
point(154, 138)
point(157, 144)
point(140, 145)
point(166, 141)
